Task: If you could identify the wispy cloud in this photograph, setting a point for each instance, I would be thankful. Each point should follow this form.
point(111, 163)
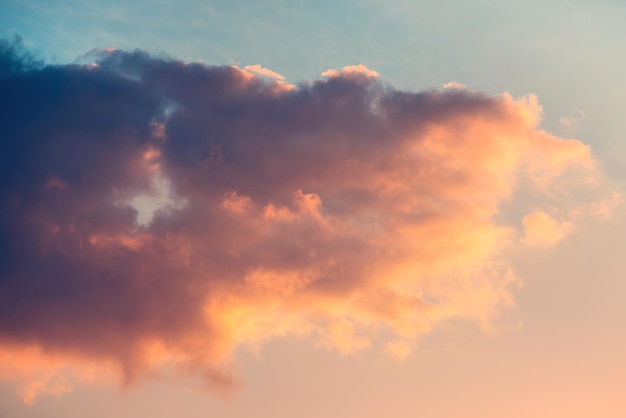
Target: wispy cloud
point(334, 210)
point(569, 124)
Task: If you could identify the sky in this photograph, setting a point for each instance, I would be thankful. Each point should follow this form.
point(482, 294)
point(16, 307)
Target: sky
point(308, 209)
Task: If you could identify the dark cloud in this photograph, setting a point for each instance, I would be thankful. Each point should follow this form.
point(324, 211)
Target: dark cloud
point(324, 209)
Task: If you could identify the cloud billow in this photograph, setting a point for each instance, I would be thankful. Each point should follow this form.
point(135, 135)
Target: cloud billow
point(331, 210)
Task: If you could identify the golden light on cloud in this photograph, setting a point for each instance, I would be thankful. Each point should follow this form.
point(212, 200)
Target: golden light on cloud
point(342, 211)
point(349, 70)
point(543, 230)
point(257, 69)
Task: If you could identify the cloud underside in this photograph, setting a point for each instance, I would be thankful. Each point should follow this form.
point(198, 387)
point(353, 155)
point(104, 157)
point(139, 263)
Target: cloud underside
point(158, 214)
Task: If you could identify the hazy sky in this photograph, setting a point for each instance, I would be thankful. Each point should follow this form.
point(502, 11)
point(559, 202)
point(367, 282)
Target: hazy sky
point(304, 209)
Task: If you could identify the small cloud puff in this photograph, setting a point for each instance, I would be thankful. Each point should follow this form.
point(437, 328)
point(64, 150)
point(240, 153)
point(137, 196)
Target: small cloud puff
point(540, 229)
point(350, 70)
point(569, 124)
point(257, 69)
point(454, 85)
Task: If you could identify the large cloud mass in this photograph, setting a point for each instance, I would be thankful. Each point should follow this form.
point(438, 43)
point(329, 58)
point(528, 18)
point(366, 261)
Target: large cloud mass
point(156, 214)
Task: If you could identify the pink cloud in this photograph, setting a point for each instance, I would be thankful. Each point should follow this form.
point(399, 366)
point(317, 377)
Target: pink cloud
point(541, 229)
point(351, 70)
point(257, 69)
point(342, 211)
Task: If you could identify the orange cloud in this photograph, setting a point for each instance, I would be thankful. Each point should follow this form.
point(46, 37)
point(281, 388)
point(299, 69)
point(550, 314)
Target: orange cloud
point(257, 69)
point(346, 212)
point(278, 82)
point(37, 373)
point(454, 85)
point(542, 230)
point(350, 70)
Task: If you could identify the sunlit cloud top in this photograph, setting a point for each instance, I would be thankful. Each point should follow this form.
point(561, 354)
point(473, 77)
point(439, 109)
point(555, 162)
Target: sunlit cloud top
point(158, 214)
